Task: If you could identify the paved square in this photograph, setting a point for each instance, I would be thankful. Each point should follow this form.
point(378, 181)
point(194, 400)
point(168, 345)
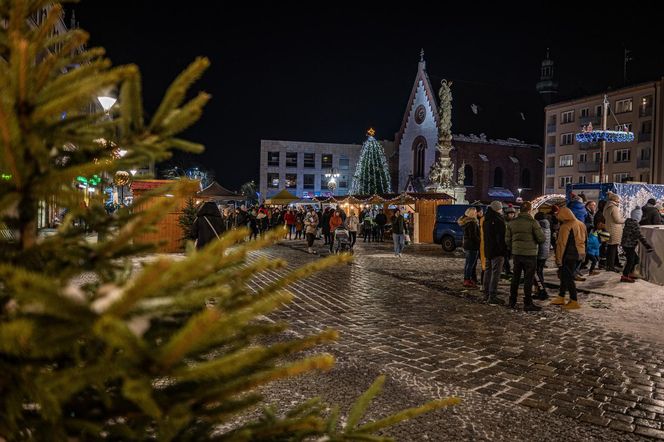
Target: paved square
point(550, 375)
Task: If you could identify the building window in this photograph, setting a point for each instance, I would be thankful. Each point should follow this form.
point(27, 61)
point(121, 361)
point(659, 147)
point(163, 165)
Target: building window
point(498, 177)
point(273, 180)
point(326, 161)
point(583, 157)
point(419, 149)
point(323, 183)
point(273, 159)
point(621, 156)
point(584, 112)
point(567, 117)
point(309, 160)
point(645, 154)
point(291, 181)
point(344, 163)
point(627, 127)
point(564, 181)
point(623, 106)
point(645, 106)
point(646, 127)
point(343, 182)
point(566, 161)
point(468, 175)
point(644, 177)
point(620, 177)
point(308, 181)
point(525, 178)
point(566, 139)
point(596, 157)
point(598, 110)
point(291, 159)
point(596, 178)
point(582, 179)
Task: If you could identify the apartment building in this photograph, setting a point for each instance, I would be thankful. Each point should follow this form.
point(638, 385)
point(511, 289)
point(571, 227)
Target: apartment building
point(635, 108)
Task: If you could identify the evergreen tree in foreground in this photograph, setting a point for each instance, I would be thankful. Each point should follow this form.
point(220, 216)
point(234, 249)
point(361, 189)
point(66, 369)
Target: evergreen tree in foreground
point(187, 219)
point(372, 173)
point(92, 347)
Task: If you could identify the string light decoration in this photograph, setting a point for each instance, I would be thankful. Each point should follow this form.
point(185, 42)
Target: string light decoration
point(121, 178)
point(610, 136)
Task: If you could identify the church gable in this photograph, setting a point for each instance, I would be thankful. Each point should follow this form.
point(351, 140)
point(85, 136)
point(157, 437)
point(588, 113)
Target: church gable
point(418, 135)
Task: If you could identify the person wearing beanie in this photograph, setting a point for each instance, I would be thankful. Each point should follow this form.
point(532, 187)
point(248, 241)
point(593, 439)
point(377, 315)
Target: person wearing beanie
point(631, 237)
point(523, 236)
point(570, 249)
point(495, 250)
point(651, 216)
point(614, 222)
point(471, 244)
point(577, 207)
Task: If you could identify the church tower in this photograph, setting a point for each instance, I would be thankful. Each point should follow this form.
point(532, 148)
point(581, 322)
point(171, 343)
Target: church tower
point(547, 86)
point(416, 140)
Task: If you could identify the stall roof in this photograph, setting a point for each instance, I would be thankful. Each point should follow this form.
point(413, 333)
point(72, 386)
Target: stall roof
point(217, 191)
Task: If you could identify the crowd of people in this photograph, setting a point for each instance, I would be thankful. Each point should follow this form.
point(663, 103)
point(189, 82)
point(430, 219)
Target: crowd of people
point(334, 226)
point(581, 234)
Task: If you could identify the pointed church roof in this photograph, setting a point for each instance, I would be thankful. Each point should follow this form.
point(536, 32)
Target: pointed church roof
point(428, 90)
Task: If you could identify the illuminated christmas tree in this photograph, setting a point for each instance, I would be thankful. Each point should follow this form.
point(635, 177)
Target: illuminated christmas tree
point(372, 175)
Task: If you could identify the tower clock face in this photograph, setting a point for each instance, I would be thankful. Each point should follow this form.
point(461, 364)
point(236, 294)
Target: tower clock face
point(420, 114)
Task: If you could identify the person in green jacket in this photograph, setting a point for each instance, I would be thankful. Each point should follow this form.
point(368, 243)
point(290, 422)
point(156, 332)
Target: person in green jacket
point(523, 236)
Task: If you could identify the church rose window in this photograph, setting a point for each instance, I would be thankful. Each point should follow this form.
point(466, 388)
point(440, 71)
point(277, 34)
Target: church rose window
point(420, 114)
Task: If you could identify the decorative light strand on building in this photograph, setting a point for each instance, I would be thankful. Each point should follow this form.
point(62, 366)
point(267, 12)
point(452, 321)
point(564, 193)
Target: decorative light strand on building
point(610, 136)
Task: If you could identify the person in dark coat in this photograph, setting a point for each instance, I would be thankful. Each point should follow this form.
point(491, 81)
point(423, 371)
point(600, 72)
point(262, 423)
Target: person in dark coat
point(631, 237)
point(208, 225)
point(381, 220)
point(577, 207)
point(495, 249)
point(471, 244)
point(651, 216)
point(325, 224)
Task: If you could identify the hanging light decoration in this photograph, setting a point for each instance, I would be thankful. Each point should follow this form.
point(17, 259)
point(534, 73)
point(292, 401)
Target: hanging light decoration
point(121, 178)
point(589, 135)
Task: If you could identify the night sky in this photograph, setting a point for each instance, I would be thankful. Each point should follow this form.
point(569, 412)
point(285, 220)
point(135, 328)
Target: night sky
point(313, 73)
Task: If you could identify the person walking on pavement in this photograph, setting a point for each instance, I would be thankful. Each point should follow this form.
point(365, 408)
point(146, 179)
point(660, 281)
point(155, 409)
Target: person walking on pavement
point(614, 222)
point(325, 225)
point(509, 214)
point(353, 223)
point(471, 244)
point(335, 221)
point(495, 250)
point(381, 220)
point(398, 232)
point(631, 237)
point(310, 226)
point(208, 225)
point(523, 236)
point(570, 249)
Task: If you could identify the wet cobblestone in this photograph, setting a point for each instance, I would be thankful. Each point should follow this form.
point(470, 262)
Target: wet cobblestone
point(550, 375)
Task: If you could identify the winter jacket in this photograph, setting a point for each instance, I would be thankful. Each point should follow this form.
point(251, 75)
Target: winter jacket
point(523, 235)
point(578, 209)
point(335, 221)
point(651, 216)
point(290, 218)
point(482, 257)
point(544, 247)
point(381, 219)
point(573, 231)
point(201, 230)
point(593, 243)
point(311, 223)
point(614, 222)
point(353, 223)
point(471, 232)
point(589, 220)
point(325, 222)
point(632, 235)
point(494, 235)
point(398, 225)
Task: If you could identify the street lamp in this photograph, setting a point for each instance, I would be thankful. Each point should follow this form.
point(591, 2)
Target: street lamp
point(519, 199)
point(332, 182)
point(106, 102)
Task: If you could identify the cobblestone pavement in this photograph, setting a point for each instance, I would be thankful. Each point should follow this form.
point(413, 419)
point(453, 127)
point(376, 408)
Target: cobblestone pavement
point(550, 375)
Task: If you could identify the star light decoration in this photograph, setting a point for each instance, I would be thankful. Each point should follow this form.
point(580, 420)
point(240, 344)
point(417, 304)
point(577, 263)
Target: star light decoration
point(588, 135)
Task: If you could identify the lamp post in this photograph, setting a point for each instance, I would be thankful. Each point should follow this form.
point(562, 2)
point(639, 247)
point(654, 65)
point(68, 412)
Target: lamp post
point(519, 199)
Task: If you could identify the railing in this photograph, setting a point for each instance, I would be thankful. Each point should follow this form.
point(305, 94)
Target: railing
point(550, 148)
point(642, 164)
point(550, 128)
point(589, 166)
point(645, 136)
point(589, 146)
point(550, 171)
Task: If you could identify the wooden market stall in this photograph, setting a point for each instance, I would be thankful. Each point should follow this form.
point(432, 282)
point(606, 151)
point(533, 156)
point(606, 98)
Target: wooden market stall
point(168, 233)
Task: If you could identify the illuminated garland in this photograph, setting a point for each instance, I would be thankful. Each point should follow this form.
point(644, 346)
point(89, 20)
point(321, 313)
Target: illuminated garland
point(610, 136)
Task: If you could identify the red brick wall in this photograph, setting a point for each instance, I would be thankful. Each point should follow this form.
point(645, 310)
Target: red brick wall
point(499, 156)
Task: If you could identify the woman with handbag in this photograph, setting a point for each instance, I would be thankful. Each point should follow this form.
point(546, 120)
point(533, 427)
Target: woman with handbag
point(208, 225)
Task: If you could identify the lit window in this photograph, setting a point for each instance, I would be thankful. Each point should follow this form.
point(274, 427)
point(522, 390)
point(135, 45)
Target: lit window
point(566, 161)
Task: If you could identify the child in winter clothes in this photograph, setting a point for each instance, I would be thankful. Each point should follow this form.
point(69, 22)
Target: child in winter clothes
point(630, 239)
point(592, 250)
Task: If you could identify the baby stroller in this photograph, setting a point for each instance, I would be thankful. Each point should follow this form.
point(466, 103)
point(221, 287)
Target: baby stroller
point(341, 240)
